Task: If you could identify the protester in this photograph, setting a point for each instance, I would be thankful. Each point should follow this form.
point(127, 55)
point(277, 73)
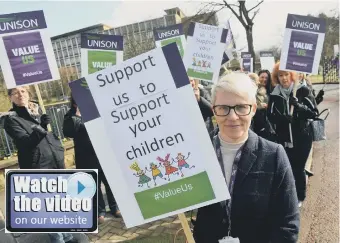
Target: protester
point(265, 80)
point(293, 130)
point(260, 123)
point(305, 80)
point(86, 158)
point(263, 206)
point(37, 148)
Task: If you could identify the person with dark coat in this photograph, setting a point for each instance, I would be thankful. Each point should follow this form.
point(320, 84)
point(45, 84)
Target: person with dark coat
point(37, 147)
point(292, 129)
point(263, 207)
point(86, 158)
point(260, 123)
point(203, 100)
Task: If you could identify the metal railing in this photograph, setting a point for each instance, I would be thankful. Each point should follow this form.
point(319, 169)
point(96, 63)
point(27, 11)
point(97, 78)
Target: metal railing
point(56, 112)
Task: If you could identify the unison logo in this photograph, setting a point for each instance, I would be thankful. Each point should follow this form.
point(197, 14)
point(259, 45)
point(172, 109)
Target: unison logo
point(102, 44)
point(12, 24)
point(305, 25)
point(168, 33)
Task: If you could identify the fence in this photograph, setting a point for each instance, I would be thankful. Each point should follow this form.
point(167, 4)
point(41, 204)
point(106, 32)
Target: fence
point(330, 69)
point(56, 112)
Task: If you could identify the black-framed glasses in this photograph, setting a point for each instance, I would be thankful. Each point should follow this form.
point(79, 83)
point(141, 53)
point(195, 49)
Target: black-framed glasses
point(224, 110)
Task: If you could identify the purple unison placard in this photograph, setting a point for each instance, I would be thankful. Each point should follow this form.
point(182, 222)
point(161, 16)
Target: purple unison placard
point(301, 51)
point(246, 63)
point(101, 42)
point(29, 219)
point(27, 57)
point(82, 95)
point(24, 21)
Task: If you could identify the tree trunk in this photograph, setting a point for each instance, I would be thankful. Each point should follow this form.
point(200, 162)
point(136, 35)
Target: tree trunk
point(249, 33)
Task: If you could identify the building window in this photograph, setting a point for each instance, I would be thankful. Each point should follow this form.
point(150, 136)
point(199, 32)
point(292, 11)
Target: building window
point(123, 30)
point(142, 26)
point(161, 22)
point(154, 23)
point(148, 25)
point(129, 27)
point(136, 27)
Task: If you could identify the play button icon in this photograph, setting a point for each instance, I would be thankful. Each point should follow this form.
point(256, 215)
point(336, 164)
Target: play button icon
point(81, 185)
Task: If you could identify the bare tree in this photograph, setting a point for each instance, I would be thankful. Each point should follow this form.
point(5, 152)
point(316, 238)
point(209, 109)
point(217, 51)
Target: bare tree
point(244, 15)
point(135, 45)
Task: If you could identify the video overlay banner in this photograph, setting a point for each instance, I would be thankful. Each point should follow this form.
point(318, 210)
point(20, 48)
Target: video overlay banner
point(44, 201)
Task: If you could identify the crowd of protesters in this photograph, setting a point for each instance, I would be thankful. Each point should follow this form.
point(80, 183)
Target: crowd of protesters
point(261, 146)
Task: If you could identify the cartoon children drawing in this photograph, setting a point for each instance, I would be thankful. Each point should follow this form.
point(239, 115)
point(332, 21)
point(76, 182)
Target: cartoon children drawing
point(204, 63)
point(199, 63)
point(155, 172)
point(194, 61)
point(209, 65)
point(143, 179)
point(181, 162)
point(167, 165)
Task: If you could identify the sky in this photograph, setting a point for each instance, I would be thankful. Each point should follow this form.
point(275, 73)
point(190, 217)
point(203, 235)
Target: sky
point(65, 16)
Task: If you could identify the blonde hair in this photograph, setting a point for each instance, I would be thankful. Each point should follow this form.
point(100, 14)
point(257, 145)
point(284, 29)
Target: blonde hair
point(255, 78)
point(239, 84)
point(275, 74)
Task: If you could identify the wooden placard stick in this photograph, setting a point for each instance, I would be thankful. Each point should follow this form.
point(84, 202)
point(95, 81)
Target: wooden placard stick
point(186, 228)
point(41, 104)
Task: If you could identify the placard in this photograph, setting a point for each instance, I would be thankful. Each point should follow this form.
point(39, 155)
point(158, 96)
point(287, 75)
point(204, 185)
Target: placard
point(26, 52)
point(247, 62)
point(156, 148)
point(204, 52)
point(302, 44)
point(99, 52)
point(170, 34)
point(267, 60)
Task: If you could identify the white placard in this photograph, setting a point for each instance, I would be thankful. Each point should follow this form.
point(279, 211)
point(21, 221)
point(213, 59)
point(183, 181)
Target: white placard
point(157, 153)
point(204, 52)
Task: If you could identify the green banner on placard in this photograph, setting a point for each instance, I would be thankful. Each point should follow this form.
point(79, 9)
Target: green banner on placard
point(200, 74)
point(99, 60)
point(175, 195)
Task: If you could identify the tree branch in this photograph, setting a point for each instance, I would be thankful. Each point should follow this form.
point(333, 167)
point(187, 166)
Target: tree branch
point(239, 17)
point(255, 13)
point(255, 6)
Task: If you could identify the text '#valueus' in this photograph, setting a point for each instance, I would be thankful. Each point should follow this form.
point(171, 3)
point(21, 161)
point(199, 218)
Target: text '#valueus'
point(126, 72)
point(19, 24)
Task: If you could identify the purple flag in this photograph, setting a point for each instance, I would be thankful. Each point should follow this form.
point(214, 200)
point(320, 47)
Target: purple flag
point(27, 57)
point(301, 51)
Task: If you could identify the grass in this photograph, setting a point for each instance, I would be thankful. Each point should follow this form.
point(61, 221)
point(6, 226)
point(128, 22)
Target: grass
point(160, 239)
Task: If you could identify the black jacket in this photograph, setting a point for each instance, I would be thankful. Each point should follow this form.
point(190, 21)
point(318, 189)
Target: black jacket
point(278, 109)
point(36, 150)
point(85, 155)
point(265, 204)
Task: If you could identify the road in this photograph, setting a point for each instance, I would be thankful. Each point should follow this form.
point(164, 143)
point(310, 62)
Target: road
point(320, 211)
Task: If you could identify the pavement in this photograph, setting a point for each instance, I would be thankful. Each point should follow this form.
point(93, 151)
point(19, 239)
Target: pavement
point(320, 211)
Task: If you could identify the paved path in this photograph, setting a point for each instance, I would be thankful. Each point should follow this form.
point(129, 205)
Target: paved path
point(320, 211)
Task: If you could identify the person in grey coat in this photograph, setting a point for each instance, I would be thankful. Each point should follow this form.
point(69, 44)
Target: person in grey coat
point(263, 207)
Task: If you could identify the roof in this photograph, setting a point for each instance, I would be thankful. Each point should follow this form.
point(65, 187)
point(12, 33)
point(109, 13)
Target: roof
point(97, 26)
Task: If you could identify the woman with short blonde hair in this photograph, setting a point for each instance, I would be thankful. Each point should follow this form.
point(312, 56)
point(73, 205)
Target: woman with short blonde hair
point(263, 205)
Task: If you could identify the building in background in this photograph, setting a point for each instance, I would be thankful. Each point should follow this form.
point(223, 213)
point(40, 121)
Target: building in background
point(138, 38)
